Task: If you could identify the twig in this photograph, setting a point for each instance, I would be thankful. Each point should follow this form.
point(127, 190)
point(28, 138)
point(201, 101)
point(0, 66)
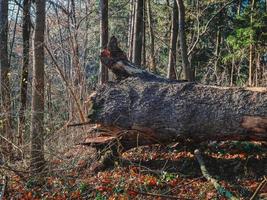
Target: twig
point(260, 186)
point(215, 183)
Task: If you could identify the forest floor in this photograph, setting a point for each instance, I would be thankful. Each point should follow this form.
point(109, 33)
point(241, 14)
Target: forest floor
point(152, 172)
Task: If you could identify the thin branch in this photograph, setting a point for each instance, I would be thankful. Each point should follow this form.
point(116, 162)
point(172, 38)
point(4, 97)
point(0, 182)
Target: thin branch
point(260, 186)
point(207, 25)
point(79, 107)
point(223, 191)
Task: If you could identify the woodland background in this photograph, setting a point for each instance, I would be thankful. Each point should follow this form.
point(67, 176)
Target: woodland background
point(213, 42)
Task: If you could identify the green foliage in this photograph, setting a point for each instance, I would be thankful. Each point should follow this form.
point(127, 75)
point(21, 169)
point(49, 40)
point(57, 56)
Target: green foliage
point(166, 176)
point(100, 196)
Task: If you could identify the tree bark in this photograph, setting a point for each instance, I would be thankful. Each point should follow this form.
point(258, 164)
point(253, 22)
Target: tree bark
point(103, 37)
point(37, 120)
point(131, 37)
point(251, 48)
point(151, 36)
point(138, 33)
point(182, 35)
point(146, 109)
point(144, 35)
point(26, 31)
point(5, 71)
point(174, 35)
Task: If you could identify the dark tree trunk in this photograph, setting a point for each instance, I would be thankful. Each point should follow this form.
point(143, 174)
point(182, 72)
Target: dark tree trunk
point(144, 35)
point(26, 31)
point(173, 43)
point(5, 70)
point(182, 35)
point(37, 121)
point(103, 37)
point(151, 36)
point(131, 37)
point(138, 33)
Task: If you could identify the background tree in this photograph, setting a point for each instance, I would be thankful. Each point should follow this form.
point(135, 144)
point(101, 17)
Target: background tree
point(38, 84)
point(103, 37)
point(26, 31)
point(138, 32)
point(5, 74)
point(183, 43)
point(173, 43)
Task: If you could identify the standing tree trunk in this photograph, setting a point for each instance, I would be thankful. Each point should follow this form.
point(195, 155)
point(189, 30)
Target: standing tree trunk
point(103, 37)
point(26, 31)
point(251, 48)
point(144, 35)
point(138, 33)
point(152, 39)
point(174, 34)
point(37, 121)
point(131, 36)
point(182, 35)
point(5, 71)
point(217, 53)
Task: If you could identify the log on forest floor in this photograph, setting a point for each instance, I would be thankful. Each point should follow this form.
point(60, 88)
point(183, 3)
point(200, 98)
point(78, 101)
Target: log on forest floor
point(163, 112)
point(147, 109)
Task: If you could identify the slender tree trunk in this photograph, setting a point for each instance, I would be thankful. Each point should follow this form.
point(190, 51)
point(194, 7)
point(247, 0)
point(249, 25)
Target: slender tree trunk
point(182, 35)
point(151, 36)
point(26, 31)
point(217, 53)
point(251, 49)
point(37, 121)
point(130, 52)
point(173, 43)
point(103, 37)
point(130, 29)
point(144, 36)
point(5, 72)
point(138, 33)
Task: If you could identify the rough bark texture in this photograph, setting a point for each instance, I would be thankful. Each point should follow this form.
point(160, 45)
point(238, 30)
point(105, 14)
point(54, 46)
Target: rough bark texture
point(143, 109)
point(37, 121)
point(103, 37)
point(5, 70)
point(138, 33)
point(182, 35)
point(167, 111)
point(156, 110)
point(151, 37)
point(26, 30)
point(173, 43)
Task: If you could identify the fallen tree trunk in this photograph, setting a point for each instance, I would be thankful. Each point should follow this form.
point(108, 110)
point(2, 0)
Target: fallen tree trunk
point(161, 112)
point(147, 109)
